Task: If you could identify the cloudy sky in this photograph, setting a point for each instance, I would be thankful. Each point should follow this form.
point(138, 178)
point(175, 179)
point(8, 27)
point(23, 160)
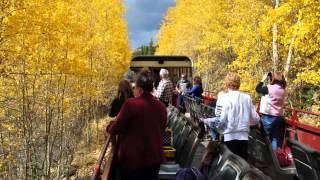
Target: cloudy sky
point(144, 18)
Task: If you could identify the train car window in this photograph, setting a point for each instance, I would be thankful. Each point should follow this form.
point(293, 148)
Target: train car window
point(176, 65)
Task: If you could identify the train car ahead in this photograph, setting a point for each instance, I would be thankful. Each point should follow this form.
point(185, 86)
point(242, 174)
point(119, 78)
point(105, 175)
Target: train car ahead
point(176, 65)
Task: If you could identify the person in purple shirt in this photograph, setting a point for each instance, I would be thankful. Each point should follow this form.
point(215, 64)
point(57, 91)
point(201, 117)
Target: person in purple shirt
point(196, 90)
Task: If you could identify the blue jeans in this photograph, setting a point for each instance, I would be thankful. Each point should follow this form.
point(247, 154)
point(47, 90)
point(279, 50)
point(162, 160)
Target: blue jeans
point(180, 103)
point(274, 128)
point(213, 134)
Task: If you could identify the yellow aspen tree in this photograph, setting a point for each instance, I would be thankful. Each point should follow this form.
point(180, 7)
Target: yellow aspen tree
point(59, 61)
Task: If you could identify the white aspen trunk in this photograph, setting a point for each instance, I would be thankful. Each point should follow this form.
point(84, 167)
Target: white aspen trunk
point(289, 58)
point(25, 123)
point(275, 56)
point(290, 52)
point(62, 126)
point(48, 161)
point(61, 118)
point(275, 52)
point(50, 137)
point(48, 131)
point(207, 73)
point(96, 116)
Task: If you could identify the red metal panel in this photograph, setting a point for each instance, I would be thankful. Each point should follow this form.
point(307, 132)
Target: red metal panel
point(208, 97)
point(207, 100)
point(308, 135)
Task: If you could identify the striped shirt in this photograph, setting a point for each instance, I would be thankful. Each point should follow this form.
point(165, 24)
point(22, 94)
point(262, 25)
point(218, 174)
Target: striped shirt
point(165, 90)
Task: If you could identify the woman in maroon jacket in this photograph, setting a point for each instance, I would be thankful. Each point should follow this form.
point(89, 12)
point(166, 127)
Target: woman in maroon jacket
point(140, 123)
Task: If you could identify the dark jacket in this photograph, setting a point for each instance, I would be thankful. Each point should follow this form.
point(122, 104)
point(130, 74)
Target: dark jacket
point(196, 91)
point(115, 107)
point(261, 89)
point(140, 123)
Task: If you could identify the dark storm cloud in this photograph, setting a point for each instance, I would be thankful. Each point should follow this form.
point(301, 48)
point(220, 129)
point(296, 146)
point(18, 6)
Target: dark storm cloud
point(144, 18)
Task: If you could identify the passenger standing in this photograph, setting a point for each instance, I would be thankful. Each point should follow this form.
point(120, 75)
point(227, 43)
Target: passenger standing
point(165, 89)
point(140, 123)
point(124, 92)
point(234, 114)
point(196, 90)
point(129, 75)
point(182, 87)
point(271, 106)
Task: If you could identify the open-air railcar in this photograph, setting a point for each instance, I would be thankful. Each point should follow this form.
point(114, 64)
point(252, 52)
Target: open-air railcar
point(304, 140)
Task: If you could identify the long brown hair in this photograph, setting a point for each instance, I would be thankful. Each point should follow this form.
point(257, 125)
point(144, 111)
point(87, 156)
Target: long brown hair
point(197, 80)
point(278, 78)
point(124, 90)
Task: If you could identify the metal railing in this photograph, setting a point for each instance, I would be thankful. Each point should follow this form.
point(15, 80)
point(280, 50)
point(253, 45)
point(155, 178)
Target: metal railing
point(97, 168)
point(197, 108)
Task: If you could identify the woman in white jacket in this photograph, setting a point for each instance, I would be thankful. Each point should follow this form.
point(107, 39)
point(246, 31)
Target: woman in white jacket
point(234, 114)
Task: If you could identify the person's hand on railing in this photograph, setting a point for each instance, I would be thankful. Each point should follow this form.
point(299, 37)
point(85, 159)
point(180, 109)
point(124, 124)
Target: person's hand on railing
point(96, 173)
point(108, 126)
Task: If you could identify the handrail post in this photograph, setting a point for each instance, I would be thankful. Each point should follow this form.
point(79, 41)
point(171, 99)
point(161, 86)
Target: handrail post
point(295, 119)
point(295, 115)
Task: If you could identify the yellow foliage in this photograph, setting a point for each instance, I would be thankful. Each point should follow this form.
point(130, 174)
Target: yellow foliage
point(309, 76)
point(86, 157)
point(218, 36)
point(236, 35)
point(59, 60)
